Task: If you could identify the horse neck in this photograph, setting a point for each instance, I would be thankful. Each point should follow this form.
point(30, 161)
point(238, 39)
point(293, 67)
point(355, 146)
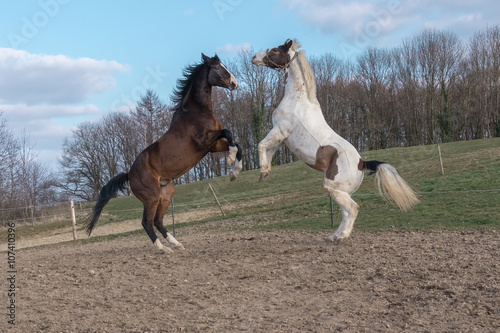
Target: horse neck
point(200, 92)
point(298, 81)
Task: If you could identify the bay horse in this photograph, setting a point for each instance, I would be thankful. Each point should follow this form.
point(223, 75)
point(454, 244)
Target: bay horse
point(298, 123)
point(193, 132)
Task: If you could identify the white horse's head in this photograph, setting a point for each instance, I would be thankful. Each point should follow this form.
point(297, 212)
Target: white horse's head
point(278, 57)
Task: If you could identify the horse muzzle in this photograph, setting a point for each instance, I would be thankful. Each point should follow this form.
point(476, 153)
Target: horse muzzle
point(233, 84)
point(258, 59)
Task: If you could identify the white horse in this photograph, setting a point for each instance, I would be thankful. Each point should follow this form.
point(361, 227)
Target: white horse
point(298, 122)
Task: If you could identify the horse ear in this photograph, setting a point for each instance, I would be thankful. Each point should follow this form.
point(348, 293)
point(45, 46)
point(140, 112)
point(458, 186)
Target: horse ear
point(205, 58)
point(288, 43)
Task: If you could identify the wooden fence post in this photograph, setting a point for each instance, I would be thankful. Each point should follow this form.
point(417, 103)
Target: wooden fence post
point(173, 215)
point(73, 219)
point(440, 160)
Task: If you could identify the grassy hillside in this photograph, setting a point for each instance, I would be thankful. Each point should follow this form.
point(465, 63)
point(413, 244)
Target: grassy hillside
point(467, 196)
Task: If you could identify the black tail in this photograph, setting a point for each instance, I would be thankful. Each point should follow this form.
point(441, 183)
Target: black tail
point(372, 166)
point(109, 190)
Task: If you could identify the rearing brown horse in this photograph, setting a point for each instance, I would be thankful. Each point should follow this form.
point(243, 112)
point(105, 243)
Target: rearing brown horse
point(193, 133)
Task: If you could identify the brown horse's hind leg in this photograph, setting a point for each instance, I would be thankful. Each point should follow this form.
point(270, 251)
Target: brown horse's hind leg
point(147, 189)
point(148, 226)
point(167, 191)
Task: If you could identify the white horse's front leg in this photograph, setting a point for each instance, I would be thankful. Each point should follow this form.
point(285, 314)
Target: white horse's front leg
point(267, 147)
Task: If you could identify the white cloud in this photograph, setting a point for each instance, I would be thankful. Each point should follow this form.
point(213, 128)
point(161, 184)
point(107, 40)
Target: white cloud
point(331, 16)
point(46, 125)
point(43, 95)
point(36, 78)
point(24, 112)
point(45, 136)
point(230, 48)
point(378, 20)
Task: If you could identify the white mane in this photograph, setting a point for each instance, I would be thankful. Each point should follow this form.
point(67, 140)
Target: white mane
point(307, 73)
point(295, 45)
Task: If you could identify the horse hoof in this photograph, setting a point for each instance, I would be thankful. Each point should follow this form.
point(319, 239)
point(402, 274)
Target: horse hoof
point(232, 176)
point(167, 250)
point(334, 241)
point(180, 247)
point(263, 176)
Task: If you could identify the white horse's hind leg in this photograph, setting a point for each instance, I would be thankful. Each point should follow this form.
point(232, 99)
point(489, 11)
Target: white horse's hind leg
point(349, 210)
point(174, 241)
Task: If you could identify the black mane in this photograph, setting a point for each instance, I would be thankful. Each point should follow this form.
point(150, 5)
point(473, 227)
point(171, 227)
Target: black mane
point(184, 84)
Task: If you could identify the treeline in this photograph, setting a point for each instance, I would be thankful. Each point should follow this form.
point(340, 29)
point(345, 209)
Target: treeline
point(25, 183)
point(432, 88)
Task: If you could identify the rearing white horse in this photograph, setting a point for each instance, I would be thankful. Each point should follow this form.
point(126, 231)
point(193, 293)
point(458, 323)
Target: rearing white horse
point(299, 123)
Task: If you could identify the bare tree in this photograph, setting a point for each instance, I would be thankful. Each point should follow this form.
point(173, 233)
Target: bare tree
point(128, 138)
point(375, 75)
point(326, 70)
point(439, 54)
point(8, 161)
point(83, 173)
point(152, 117)
point(483, 76)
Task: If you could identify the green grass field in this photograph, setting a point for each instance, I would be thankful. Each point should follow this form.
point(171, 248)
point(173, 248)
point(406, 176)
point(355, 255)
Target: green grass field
point(466, 196)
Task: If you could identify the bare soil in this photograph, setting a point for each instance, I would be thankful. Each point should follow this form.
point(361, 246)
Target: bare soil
point(264, 282)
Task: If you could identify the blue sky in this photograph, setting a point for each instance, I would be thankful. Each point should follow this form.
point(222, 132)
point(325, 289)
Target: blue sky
point(63, 62)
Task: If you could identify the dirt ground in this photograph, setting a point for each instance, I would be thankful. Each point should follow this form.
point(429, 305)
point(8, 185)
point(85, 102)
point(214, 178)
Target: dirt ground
point(264, 282)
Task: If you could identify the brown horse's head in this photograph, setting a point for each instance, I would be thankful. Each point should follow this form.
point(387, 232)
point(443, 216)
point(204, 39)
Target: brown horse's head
point(275, 58)
point(218, 74)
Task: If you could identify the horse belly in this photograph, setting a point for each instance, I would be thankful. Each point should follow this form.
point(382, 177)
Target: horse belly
point(303, 146)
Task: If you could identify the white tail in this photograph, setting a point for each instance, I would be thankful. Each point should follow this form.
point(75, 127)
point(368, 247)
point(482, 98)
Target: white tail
point(393, 188)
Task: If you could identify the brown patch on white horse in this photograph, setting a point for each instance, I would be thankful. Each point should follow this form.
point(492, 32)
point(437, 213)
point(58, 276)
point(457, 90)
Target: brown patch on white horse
point(326, 161)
